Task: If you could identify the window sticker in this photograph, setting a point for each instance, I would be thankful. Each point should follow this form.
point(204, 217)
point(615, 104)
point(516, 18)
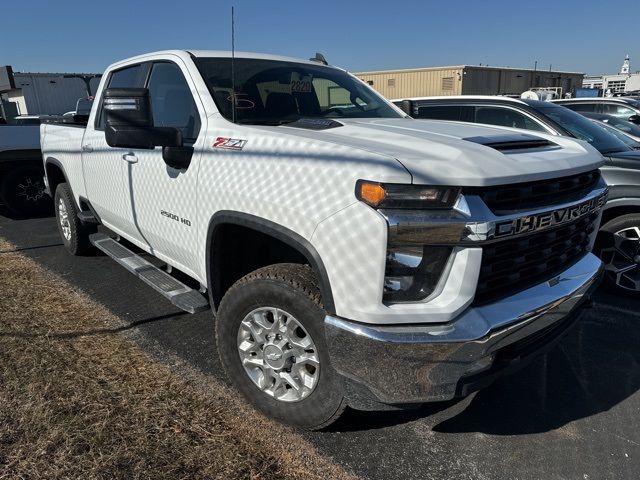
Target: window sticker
point(301, 84)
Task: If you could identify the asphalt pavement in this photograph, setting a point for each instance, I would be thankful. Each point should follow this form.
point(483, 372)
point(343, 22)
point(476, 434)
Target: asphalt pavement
point(572, 414)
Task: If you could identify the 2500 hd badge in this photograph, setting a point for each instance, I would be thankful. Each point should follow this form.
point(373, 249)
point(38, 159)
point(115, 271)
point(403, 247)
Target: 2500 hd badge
point(175, 217)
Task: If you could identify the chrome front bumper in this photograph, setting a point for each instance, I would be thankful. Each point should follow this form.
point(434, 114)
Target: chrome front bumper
point(423, 363)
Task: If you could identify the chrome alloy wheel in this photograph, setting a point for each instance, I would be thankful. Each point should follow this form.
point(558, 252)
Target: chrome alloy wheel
point(63, 217)
point(622, 259)
point(278, 354)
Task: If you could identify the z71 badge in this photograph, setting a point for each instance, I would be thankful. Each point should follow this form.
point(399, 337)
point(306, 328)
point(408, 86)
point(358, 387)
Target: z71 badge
point(229, 143)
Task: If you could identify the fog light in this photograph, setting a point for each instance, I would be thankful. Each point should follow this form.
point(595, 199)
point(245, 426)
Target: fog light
point(482, 364)
point(412, 273)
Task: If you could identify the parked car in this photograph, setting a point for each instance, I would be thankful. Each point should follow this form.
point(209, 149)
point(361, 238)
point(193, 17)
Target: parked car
point(22, 189)
point(618, 244)
point(629, 129)
point(626, 108)
point(352, 255)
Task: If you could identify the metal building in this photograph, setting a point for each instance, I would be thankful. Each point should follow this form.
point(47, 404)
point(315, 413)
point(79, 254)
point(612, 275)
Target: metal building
point(466, 80)
point(48, 93)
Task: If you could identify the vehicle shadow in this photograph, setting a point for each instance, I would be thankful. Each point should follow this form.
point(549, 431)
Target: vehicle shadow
point(47, 213)
point(594, 368)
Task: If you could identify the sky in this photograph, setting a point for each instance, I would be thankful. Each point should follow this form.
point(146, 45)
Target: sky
point(86, 36)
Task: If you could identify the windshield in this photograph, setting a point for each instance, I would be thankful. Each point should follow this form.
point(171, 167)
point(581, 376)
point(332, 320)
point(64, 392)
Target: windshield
point(620, 135)
point(584, 129)
point(272, 92)
point(624, 125)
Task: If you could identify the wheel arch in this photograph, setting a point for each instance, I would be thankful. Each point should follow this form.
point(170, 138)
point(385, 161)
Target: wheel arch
point(55, 174)
point(618, 207)
point(271, 229)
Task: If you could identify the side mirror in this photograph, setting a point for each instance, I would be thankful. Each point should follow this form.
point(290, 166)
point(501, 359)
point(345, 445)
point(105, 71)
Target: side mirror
point(177, 157)
point(635, 119)
point(129, 121)
point(407, 107)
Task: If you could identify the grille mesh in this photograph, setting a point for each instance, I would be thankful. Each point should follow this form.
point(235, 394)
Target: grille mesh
point(530, 195)
point(513, 265)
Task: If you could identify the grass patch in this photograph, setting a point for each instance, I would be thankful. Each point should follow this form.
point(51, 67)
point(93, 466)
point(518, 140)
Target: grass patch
point(77, 404)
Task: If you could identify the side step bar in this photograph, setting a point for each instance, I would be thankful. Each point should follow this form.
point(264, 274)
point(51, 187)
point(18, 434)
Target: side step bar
point(176, 292)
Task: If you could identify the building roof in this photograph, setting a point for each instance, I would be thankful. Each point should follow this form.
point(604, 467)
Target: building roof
point(462, 67)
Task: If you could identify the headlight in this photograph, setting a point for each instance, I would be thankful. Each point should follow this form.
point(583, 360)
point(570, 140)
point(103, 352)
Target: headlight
point(412, 273)
point(393, 195)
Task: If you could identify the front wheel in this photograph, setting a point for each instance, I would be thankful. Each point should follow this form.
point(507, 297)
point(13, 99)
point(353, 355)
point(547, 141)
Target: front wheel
point(270, 336)
point(618, 246)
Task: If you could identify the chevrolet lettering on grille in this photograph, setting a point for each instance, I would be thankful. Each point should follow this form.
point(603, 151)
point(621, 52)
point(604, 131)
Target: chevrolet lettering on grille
point(541, 221)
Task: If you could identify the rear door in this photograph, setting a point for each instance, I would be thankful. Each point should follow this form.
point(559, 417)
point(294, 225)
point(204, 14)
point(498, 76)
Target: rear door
point(162, 199)
point(104, 166)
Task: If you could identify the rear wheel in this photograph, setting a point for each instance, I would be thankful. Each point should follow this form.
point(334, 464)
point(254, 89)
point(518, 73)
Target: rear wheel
point(23, 193)
point(619, 248)
point(75, 234)
point(270, 336)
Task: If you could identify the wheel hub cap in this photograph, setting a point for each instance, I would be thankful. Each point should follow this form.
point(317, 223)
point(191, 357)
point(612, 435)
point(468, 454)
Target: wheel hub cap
point(622, 258)
point(31, 191)
point(278, 354)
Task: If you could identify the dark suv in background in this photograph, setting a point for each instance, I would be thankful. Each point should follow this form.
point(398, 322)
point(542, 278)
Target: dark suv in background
point(619, 240)
point(621, 107)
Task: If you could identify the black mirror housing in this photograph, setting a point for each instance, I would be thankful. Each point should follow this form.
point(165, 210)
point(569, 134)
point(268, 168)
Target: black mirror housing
point(407, 107)
point(129, 121)
point(177, 157)
point(635, 119)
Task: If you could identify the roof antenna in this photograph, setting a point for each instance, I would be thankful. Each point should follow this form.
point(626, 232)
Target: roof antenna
point(233, 67)
point(320, 59)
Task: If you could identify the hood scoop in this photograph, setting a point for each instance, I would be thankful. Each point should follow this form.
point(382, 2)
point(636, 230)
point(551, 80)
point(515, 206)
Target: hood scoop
point(315, 123)
point(512, 141)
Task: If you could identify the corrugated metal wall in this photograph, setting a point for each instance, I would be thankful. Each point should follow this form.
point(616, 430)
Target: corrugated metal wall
point(51, 94)
point(415, 83)
point(488, 81)
point(467, 80)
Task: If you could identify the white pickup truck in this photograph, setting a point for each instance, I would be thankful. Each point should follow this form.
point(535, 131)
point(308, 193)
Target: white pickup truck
point(351, 255)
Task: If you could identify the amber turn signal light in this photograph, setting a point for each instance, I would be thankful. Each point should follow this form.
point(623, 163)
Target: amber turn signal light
point(371, 193)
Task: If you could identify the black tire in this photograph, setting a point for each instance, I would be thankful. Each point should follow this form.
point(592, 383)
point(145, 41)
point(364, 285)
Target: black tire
point(22, 192)
point(606, 249)
point(77, 241)
point(293, 288)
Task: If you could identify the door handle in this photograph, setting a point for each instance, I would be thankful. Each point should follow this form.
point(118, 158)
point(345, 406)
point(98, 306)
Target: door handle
point(87, 148)
point(130, 158)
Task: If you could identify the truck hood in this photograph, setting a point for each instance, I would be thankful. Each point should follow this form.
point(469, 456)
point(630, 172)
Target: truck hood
point(455, 153)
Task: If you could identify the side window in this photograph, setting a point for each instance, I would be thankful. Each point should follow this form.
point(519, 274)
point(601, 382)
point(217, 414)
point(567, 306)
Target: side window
point(172, 103)
point(619, 111)
point(581, 107)
point(506, 117)
point(128, 77)
point(441, 112)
